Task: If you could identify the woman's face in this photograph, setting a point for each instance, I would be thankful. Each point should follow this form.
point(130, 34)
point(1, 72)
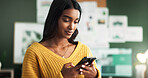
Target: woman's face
point(67, 23)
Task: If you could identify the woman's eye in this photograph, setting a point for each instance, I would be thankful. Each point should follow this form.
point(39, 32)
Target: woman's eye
point(76, 22)
point(65, 20)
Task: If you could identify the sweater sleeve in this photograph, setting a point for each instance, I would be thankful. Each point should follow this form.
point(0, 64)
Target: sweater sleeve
point(60, 75)
point(30, 67)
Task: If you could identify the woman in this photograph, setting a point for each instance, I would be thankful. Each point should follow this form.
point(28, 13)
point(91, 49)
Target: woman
point(57, 54)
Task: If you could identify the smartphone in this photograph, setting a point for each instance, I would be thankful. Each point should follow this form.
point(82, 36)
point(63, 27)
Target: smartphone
point(87, 59)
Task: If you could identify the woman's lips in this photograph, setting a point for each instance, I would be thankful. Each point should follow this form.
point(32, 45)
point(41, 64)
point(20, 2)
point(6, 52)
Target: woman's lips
point(69, 32)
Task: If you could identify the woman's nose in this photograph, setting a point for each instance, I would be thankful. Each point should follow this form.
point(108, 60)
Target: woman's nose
point(71, 26)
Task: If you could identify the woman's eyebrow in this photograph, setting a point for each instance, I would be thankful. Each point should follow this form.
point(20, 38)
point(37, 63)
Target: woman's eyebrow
point(69, 17)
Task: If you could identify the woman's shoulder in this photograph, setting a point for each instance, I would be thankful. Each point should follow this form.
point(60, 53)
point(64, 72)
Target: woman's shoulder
point(84, 48)
point(82, 44)
point(34, 46)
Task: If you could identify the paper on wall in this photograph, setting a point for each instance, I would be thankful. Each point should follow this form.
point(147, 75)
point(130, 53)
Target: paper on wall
point(118, 21)
point(89, 14)
point(116, 35)
point(102, 16)
point(98, 38)
point(134, 34)
point(42, 10)
point(90, 32)
point(24, 35)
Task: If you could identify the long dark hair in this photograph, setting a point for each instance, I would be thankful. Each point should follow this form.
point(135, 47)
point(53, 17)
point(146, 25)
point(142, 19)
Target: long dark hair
point(55, 11)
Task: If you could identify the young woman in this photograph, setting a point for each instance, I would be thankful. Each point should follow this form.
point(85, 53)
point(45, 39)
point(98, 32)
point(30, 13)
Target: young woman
point(57, 54)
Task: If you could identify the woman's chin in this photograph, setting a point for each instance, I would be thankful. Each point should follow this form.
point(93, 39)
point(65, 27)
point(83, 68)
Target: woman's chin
point(68, 37)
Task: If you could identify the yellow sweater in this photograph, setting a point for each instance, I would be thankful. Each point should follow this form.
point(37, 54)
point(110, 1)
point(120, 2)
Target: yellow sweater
point(40, 62)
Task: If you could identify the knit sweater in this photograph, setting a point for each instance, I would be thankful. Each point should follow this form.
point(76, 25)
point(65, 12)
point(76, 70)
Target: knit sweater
point(40, 62)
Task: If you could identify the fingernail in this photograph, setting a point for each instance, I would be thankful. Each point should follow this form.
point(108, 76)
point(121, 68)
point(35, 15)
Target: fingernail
point(87, 63)
point(81, 73)
point(83, 66)
point(81, 69)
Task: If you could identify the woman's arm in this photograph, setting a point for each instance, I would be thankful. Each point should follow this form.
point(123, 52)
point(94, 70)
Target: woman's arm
point(30, 67)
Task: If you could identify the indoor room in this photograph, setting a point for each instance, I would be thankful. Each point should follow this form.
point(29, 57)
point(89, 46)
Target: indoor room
point(114, 31)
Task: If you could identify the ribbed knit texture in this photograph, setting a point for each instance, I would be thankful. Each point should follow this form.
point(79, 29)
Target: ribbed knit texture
point(40, 62)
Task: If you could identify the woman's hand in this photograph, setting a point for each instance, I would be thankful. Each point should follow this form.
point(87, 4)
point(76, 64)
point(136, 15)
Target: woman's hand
point(89, 71)
point(70, 71)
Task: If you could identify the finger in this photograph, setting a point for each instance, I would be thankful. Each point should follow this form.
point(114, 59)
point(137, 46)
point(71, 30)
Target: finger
point(78, 67)
point(92, 64)
point(84, 72)
point(89, 74)
point(88, 68)
point(85, 67)
point(68, 65)
point(86, 63)
point(80, 71)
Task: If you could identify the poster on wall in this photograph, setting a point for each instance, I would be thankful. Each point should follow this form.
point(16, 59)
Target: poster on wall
point(24, 35)
point(118, 21)
point(134, 34)
point(88, 19)
point(117, 28)
point(97, 38)
point(102, 16)
point(116, 35)
point(114, 61)
point(128, 34)
point(42, 10)
point(93, 25)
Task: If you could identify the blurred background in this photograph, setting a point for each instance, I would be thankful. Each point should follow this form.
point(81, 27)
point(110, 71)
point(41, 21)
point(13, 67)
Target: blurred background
point(29, 15)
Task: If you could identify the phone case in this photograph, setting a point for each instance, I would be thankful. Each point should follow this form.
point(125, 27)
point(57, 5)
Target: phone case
point(87, 59)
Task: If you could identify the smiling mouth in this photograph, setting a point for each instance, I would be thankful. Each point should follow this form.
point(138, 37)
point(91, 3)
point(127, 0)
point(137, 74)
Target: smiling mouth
point(69, 32)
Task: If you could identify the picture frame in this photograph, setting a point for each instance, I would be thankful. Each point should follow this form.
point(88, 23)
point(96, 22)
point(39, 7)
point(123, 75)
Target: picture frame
point(25, 33)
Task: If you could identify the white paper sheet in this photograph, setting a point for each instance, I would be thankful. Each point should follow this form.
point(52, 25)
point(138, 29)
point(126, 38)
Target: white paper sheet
point(25, 34)
point(116, 35)
point(118, 21)
point(90, 32)
point(105, 59)
point(96, 38)
point(88, 19)
point(42, 9)
point(134, 34)
point(102, 16)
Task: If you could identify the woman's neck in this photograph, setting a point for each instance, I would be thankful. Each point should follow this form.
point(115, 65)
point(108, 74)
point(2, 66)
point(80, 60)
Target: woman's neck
point(56, 42)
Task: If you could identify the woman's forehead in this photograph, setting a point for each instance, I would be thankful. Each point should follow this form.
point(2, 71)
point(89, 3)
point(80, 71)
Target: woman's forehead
point(71, 13)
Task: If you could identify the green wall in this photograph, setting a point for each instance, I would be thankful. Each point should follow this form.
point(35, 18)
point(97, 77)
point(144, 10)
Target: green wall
point(10, 12)
point(25, 11)
point(137, 12)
